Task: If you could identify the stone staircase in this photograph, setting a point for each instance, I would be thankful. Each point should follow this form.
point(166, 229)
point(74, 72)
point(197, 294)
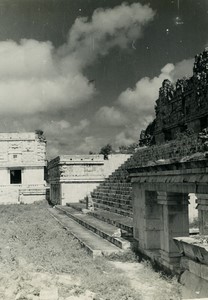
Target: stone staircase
point(108, 227)
point(114, 194)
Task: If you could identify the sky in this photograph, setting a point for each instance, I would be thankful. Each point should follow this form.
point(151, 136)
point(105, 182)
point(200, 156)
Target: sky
point(88, 72)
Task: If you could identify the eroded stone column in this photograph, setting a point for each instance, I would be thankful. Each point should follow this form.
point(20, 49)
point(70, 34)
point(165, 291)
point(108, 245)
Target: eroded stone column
point(146, 218)
point(151, 221)
point(138, 213)
point(174, 222)
point(202, 201)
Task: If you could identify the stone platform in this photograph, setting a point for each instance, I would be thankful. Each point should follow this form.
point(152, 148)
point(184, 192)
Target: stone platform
point(100, 237)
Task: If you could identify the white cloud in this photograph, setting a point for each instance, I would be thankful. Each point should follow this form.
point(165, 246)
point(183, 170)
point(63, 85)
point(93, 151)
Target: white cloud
point(137, 104)
point(56, 128)
point(62, 134)
point(110, 116)
point(141, 99)
point(90, 143)
point(182, 69)
point(122, 139)
point(35, 77)
point(106, 29)
point(33, 80)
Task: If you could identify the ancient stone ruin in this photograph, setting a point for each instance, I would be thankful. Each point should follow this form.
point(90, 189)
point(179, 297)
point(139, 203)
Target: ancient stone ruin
point(74, 177)
point(180, 107)
point(22, 160)
point(146, 199)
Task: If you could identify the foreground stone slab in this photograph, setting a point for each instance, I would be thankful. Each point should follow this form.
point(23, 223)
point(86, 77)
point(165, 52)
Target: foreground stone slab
point(95, 245)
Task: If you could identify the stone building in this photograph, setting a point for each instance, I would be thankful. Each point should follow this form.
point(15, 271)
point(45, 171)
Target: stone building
point(181, 106)
point(72, 177)
point(22, 164)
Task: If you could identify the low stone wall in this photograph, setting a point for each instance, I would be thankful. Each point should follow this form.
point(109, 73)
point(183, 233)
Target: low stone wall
point(22, 194)
point(194, 265)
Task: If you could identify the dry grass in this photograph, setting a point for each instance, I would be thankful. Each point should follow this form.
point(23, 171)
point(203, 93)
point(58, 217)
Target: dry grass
point(29, 233)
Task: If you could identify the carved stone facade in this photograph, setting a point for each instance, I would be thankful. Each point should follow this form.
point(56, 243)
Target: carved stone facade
point(22, 163)
point(183, 106)
point(72, 177)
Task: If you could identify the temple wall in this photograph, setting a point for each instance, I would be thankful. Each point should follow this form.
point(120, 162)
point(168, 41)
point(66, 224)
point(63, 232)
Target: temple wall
point(33, 176)
point(181, 106)
point(73, 177)
point(22, 162)
point(75, 191)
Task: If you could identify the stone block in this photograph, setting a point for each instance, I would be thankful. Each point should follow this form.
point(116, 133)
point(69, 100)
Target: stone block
point(204, 272)
point(152, 240)
point(194, 268)
point(153, 224)
point(193, 286)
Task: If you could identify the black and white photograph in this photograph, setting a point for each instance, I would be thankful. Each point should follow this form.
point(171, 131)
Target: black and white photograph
point(103, 149)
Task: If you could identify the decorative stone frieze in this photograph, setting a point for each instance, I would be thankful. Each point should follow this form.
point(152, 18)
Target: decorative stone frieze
point(22, 163)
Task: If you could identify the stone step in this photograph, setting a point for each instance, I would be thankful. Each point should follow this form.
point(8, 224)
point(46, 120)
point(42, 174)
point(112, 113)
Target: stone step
point(110, 204)
point(113, 209)
point(113, 198)
point(83, 201)
point(116, 183)
point(109, 193)
point(95, 245)
point(119, 177)
point(121, 221)
point(78, 205)
point(101, 228)
point(124, 223)
point(113, 193)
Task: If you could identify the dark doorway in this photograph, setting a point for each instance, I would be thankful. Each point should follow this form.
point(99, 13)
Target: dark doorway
point(15, 176)
point(167, 135)
point(203, 122)
point(183, 128)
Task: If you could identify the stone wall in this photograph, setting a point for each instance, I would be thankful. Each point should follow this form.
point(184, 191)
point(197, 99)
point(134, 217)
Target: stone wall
point(72, 177)
point(181, 106)
point(21, 149)
point(22, 155)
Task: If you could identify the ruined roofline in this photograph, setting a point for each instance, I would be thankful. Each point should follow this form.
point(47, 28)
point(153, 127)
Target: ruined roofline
point(181, 106)
point(69, 159)
point(18, 136)
point(186, 84)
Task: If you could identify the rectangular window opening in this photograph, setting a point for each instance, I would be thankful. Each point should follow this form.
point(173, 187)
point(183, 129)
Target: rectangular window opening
point(15, 176)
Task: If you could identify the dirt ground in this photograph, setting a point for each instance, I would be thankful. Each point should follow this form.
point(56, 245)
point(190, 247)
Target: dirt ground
point(41, 261)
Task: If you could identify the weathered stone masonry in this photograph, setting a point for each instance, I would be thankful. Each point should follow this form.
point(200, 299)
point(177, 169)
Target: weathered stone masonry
point(72, 177)
point(181, 107)
point(22, 163)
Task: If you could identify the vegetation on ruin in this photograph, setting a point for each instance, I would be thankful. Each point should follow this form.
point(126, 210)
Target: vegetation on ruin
point(194, 223)
point(106, 150)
